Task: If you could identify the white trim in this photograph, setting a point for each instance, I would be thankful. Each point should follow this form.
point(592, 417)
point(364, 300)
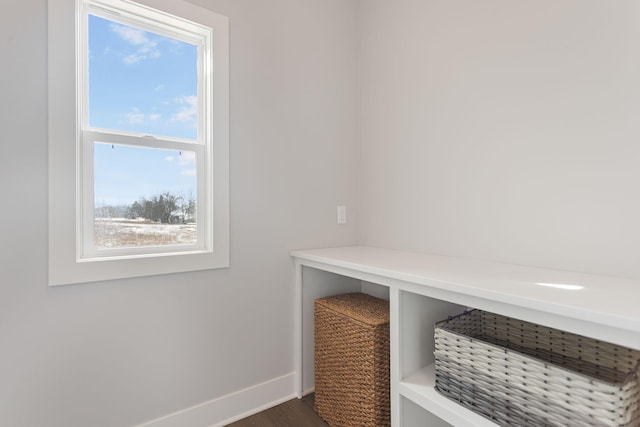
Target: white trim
point(232, 407)
point(65, 188)
point(297, 324)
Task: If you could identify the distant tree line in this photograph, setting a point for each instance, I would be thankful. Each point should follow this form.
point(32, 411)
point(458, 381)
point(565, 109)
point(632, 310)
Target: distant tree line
point(166, 208)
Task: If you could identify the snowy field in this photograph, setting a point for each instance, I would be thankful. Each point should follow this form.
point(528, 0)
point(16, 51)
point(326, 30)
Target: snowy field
point(122, 232)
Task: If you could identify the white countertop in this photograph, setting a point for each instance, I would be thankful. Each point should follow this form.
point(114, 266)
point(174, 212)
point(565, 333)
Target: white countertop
point(610, 301)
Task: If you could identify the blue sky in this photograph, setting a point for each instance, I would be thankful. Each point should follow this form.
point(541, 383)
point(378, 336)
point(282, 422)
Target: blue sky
point(140, 82)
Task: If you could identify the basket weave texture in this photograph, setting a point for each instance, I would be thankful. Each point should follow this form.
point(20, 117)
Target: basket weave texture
point(523, 374)
point(352, 360)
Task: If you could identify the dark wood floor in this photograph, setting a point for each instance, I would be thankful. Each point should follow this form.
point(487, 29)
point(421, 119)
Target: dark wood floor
point(294, 413)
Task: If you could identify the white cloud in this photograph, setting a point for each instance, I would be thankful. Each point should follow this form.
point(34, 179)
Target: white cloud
point(145, 47)
point(135, 116)
point(188, 111)
point(187, 158)
point(159, 87)
point(129, 34)
point(132, 59)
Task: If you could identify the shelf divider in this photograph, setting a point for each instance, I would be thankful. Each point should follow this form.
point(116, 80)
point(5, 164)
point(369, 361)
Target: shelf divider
point(419, 387)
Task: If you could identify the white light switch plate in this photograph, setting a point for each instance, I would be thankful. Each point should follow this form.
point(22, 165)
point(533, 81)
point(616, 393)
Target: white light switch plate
point(342, 214)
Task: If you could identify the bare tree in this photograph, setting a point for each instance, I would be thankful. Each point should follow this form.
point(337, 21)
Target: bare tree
point(187, 206)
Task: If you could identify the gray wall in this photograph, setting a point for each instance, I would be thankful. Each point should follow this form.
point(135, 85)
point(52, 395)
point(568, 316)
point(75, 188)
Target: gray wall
point(503, 130)
point(123, 352)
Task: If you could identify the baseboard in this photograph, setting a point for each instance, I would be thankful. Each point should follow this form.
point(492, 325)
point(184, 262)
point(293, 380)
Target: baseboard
point(232, 407)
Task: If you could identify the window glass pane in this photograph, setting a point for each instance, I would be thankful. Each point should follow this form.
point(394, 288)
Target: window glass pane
point(143, 196)
point(140, 81)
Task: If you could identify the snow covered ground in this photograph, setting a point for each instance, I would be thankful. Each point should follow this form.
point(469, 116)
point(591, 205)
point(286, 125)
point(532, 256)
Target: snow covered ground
point(123, 232)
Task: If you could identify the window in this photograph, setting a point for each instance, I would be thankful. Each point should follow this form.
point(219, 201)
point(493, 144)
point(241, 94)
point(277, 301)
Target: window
point(138, 139)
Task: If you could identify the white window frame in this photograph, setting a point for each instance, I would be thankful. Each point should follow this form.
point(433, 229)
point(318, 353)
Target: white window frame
point(72, 255)
point(170, 26)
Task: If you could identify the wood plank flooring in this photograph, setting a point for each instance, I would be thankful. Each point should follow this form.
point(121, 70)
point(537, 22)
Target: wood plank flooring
point(294, 413)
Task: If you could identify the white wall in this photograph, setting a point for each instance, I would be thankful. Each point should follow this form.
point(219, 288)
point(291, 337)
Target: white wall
point(503, 130)
point(124, 352)
point(495, 129)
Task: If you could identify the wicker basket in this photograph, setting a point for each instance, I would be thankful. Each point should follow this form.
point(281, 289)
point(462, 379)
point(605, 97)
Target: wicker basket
point(522, 374)
point(352, 360)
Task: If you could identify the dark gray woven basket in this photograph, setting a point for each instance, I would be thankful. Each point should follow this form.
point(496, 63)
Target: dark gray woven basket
point(518, 373)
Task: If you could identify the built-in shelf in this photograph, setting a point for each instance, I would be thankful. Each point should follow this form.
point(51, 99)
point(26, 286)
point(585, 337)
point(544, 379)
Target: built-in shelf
point(420, 389)
point(424, 289)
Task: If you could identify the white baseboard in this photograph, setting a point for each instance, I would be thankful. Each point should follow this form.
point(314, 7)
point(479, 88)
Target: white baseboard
point(232, 407)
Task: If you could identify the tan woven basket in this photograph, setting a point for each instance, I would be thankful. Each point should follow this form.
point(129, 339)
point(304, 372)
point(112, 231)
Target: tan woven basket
point(352, 360)
point(522, 374)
